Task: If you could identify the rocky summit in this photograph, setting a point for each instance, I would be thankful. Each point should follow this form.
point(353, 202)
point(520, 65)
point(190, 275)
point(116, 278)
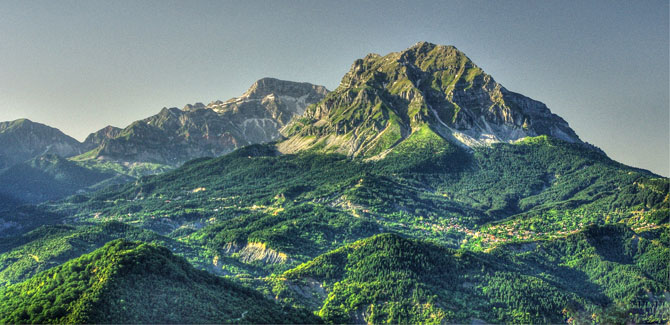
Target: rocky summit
point(382, 100)
point(97, 138)
point(174, 136)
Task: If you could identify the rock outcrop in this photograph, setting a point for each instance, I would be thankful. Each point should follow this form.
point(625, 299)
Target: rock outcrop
point(255, 251)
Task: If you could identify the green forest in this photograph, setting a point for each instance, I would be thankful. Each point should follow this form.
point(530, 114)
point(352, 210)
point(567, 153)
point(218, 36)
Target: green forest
point(541, 231)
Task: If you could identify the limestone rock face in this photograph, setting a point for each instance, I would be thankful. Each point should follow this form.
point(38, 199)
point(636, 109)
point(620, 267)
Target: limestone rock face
point(254, 251)
point(384, 99)
point(174, 136)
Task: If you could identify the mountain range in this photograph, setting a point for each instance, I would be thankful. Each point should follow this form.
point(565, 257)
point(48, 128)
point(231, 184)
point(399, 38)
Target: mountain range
point(174, 136)
point(152, 145)
point(418, 191)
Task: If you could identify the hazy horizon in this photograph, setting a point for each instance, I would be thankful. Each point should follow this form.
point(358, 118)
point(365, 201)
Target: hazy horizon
point(79, 66)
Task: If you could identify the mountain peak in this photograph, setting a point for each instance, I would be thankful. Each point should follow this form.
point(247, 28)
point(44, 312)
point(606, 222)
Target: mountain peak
point(22, 122)
point(97, 138)
point(23, 139)
point(174, 136)
point(384, 99)
point(425, 47)
point(266, 86)
point(274, 92)
point(423, 52)
point(194, 107)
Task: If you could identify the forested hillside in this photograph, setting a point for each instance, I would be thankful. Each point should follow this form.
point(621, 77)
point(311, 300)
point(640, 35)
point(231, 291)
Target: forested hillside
point(127, 282)
point(601, 274)
point(571, 229)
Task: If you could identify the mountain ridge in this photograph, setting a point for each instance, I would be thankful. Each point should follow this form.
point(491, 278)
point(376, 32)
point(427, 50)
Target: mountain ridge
point(174, 136)
point(23, 139)
point(154, 144)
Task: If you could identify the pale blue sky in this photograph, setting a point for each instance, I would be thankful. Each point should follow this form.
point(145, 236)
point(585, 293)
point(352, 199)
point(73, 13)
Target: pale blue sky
point(81, 65)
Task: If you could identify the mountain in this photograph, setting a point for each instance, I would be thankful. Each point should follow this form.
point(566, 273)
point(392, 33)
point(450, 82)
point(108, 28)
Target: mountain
point(97, 138)
point(22, 139)
point(174, 136)
point(255, 213)
point(21, 218)
point(153, 145)
point(129, 282)
point(383, 100)
point(50, 177)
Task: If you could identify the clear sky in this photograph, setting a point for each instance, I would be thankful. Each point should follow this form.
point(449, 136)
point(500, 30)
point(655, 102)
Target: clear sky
point(81, 65)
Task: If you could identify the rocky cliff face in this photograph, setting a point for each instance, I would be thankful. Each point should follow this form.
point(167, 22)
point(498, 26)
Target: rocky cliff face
point(97, 138)
point(384, 99)
point(174, 135)
point(21, 140)
point(282, 99)
point(255, 251)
